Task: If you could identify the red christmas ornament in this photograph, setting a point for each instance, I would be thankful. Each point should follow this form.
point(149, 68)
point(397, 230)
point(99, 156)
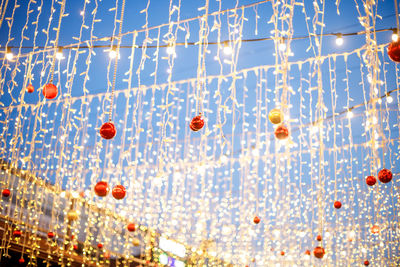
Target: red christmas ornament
point(196, 124)
point(394, 51)
point(308, 252)
point(119, 192)
point(107, 130)
point(282, 253)
point(281, 132)
point(385, 176)
point(100, 245)
point(101, 189)
point(319, 252)
point(50, 234)
point(50, 91)
point(131, 227)
point(256, 220)
point(6, 192)
point(366, 263)
point(75, 247)
point(375, 229)
point(30, 88)
point(17, 233)
point(21, 260)
point(337, 204)
point(370, 180)
point(319, 237)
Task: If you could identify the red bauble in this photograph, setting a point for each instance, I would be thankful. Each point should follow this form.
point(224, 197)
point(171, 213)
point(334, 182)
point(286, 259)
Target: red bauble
point(282, 253)
point(196, 124)
point(281, 132)
point(101, 189)
point(319, 237)
point(394, 51)
point(366, 263)
point(30, 88)
point(50, 91)
point(308, 252)
point(118, 192)
point(6, 192)
point(256, 220)
point(131, 227)
point(50, 234)
point(375, 229)
point(100, 245)
point(385, 176)
point(370, 180)
point(75, 247)
point(107, 130)
point(17, 233)
point(21, 260)
point(337, 204)
point(319, 252)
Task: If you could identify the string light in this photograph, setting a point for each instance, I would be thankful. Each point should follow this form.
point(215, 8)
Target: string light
point(59, 54)
point(339, 39)
point(395, 36)
point(350, 114)
point(9, 54)
point(170, 50)
point(389, 98)
point(227, 48)
point(282, 45)
point(112, 53)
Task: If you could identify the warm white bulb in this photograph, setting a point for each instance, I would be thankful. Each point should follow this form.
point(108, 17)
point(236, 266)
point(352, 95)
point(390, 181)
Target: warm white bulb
point(395, 37)
point(9, 56)
point(350, 114)
point(227, 50)
point(339, 40)
point(282, 46)
point(389, 99)
point(59, 55)
point(170, 50)
point(112, 54)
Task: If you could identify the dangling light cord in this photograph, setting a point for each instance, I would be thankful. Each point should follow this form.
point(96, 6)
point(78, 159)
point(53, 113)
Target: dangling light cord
point(116, 60)
point(396, 8)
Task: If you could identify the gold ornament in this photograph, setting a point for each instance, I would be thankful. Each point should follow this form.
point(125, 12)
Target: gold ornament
point(72, 215)
point(275, 116)
point(136, 242)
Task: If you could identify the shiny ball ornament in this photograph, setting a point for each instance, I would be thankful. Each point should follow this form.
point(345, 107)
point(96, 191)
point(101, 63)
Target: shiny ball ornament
point(319, 238)
point(282, 253)
point(101, 189)
point(394, 51)
point(370, 180)
point(6, 192)
point(30, 88)
point(366, 263)
point(281, 132)
point(72, 215)
point(319, 252)
point(131, 227)
point(308, 252)
point(136, 242)
point(107, 130)
point(118, 192)
point(256, 220)
point(337, 204)
point(100, 245)
point(385, 176)
point(75, 247)
point(275, 116)
point(197, 123)
point(50, 91)
point(17, 233)
point(50, 234)
point(375, 229)
point(21, 261)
